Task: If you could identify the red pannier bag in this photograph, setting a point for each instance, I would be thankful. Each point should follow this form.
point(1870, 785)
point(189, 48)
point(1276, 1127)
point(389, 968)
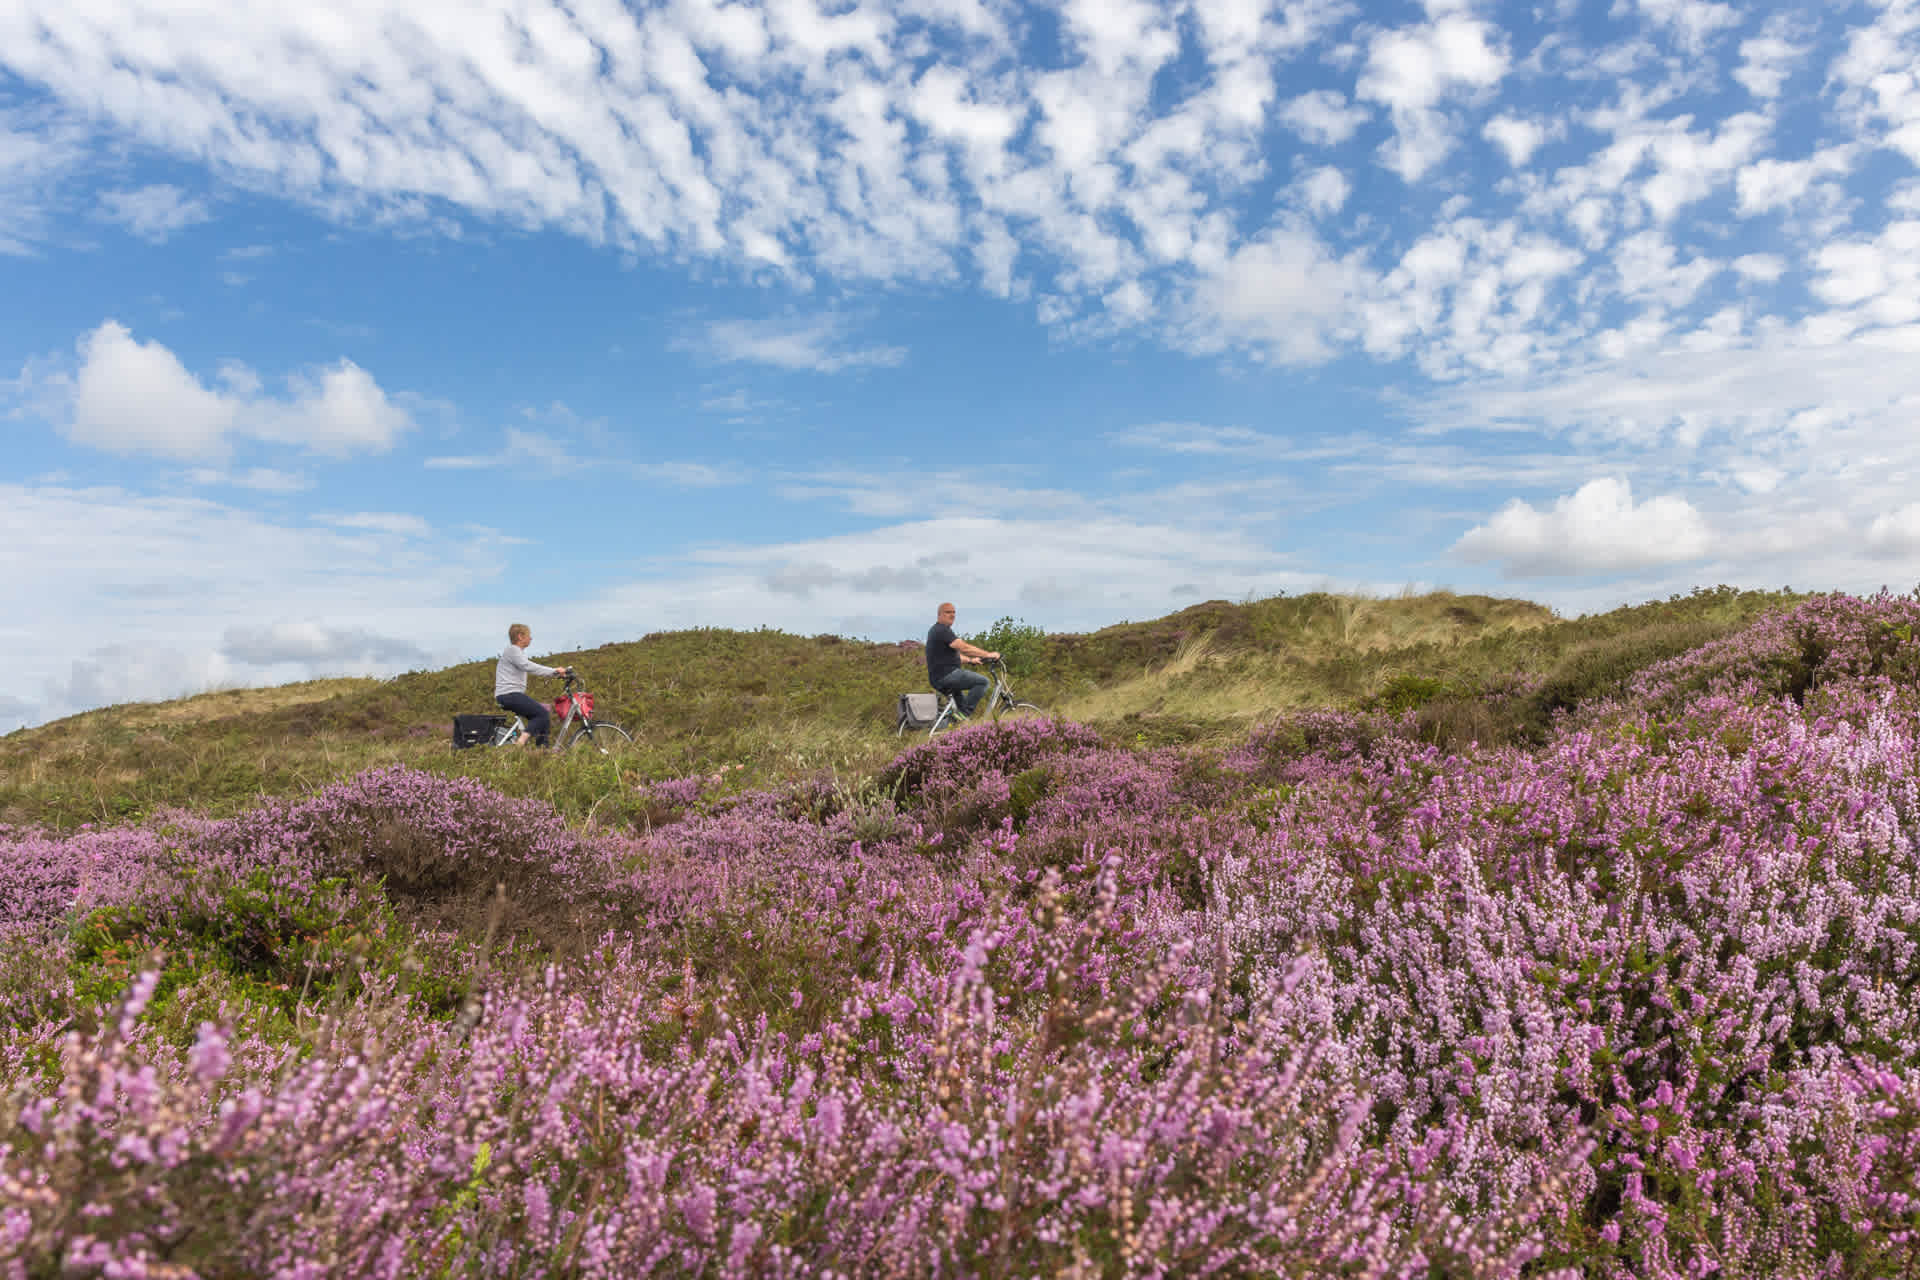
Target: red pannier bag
point(564, 702)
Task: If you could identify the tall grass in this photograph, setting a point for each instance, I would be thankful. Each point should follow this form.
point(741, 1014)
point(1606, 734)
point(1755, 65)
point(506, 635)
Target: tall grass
point(785, 706)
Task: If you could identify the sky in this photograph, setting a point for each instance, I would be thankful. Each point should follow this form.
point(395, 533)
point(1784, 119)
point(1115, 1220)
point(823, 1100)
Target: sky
point(335, 336)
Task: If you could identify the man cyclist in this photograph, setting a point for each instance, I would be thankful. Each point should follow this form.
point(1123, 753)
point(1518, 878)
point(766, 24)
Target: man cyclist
point(945, 653)
point(510, 682)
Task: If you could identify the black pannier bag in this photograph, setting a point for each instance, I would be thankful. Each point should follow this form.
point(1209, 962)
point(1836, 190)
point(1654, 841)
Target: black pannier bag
point(476, 731)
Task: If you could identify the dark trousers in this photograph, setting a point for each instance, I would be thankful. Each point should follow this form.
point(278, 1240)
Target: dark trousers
point(538, 718)
point(966, 686)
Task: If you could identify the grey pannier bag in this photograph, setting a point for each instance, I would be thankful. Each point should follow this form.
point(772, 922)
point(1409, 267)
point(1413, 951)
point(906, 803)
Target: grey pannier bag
point(917, 711)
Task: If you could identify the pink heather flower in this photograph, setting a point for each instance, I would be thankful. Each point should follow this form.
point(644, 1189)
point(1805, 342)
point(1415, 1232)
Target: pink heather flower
point(830, 1117)
point(139, 995)
point(696, 1207)
point(538, 1207)
point(210, 1058)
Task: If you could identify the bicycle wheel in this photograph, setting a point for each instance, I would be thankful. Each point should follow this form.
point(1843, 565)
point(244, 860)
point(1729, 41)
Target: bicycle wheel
point(603, 736)
point(1019, 711)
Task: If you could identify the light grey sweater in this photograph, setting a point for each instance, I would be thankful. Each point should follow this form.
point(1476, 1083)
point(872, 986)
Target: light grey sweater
point(510, 676)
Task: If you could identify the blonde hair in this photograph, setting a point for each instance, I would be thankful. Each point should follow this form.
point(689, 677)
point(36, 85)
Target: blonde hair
point(517, 630)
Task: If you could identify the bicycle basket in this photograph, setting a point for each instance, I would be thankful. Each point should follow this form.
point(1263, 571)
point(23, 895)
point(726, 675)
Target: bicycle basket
point(566, 701)
point(475, 731)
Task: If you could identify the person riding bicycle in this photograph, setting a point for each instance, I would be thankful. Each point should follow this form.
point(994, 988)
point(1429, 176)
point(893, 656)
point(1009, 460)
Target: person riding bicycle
point(945, 653)
point(510, 682)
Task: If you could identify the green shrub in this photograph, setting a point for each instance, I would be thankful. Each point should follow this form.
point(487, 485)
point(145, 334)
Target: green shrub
point(1406, 693)
point(1019, 644)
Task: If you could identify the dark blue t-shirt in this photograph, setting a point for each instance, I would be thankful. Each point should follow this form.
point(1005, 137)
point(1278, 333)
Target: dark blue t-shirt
point(940, 655)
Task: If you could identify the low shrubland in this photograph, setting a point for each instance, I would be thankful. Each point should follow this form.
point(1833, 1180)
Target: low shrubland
point(785, 706)
point(1600, 966)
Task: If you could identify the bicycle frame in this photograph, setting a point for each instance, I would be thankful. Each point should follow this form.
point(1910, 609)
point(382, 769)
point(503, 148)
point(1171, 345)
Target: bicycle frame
point(998, 698)
point(556, 734)
point(1000, 692)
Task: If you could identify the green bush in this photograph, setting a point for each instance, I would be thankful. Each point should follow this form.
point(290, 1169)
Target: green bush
point(1406, 693)
point(1019, 644)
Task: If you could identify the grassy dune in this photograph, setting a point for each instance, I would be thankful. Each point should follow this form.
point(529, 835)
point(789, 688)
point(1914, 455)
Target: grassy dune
point(781, 706)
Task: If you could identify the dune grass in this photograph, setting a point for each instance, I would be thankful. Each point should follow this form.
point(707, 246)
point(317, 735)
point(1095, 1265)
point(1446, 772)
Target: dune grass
point(780, 705)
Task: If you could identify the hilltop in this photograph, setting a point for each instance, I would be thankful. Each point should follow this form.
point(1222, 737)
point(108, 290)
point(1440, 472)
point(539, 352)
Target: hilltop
point(781, 705)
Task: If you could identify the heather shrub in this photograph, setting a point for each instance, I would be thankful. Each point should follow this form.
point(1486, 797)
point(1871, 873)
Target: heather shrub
point(1865, 644)
point(443, 847)
point(971, 750)
point(1635, 999)
point(1292, 748)
point(998, 1144)
point(42, 876)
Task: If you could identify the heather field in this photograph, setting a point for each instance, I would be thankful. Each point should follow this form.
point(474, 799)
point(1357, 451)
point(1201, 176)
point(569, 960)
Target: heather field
point(1584, 955)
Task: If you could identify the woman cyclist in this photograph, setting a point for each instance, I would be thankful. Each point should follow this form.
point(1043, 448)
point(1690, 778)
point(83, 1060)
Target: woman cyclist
point(510, 683)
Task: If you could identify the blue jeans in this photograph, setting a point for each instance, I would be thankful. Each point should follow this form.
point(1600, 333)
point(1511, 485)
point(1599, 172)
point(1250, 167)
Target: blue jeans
point(538, 718)
point(967, 686)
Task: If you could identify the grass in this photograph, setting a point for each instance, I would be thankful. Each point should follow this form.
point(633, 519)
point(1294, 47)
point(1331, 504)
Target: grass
point(782, 705)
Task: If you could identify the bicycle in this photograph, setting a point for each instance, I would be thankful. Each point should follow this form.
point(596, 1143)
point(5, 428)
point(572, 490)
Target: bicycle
point(603, 736)
point(999, 702)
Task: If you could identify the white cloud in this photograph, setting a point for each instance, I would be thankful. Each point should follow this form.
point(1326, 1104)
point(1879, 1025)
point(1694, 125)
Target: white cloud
point(317, 646)
point(805, 144)
point(1517, 137)
point(691, 475)
point(129, 396)
point(154, 213)
point(39, 151)
point(259, 479)
point(1695, 22)
point(1716, 298)
point(521, 448)
point(398, 523)
point(1323, 117)
point(814, 343)
point(1088, 570)
point(1768, 184)
point(129, 596)
point(1596, 529)
point(1879, 90)
point(1896, 533)
point(1650, 270)
point(114, 673)
point(1325, 189)
point(1283, 296)
point(1190, 437)
point(1880, 277)
point(1767, 60)
point(1688, 166)
point(1411, 70)
point(1764, 268)
point(1755, 392)
point(136, 397)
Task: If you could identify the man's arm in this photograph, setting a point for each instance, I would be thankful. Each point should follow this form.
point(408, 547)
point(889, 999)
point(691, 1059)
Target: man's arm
point(970, 652)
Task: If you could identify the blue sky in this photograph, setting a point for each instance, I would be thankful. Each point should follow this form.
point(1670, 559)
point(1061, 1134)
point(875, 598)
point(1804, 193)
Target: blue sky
point(335, 336)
